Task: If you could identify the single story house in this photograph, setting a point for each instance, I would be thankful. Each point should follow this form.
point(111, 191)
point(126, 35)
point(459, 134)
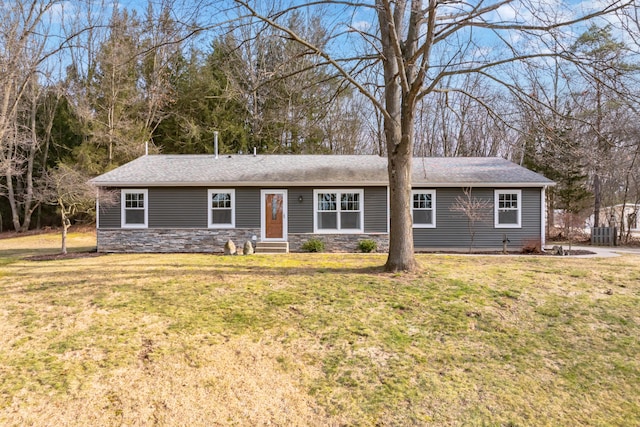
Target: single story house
point(195, 203)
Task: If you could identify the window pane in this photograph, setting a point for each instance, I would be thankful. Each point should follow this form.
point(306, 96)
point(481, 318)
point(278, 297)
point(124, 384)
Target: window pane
point(508, 201)
point(350, 202)
point(508, 217)
point(422, 217)
point(221, 200)
point(134, 216)
point(327, 220)
point(422, 201)
point(327, 202)
point(134, 200)
point(350, 220)
point(221, 216)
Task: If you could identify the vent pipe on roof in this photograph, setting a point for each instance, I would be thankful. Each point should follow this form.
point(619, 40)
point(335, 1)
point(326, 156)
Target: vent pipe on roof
point(215, 142)
point(254, 152)
point(146, 148)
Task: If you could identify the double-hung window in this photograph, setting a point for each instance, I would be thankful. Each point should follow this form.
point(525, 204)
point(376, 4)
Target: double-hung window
point(134, 205)
point(508, 208)
point(338, 211)
point(423, 208)
point(222, 208)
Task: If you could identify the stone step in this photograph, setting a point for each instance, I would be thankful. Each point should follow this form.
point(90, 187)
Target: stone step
point(272, 248)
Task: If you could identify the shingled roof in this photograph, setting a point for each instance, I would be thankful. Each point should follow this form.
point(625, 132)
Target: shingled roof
point(313, 170)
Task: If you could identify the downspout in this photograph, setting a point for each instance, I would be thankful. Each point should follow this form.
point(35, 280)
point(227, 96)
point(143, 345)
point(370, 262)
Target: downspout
point(97, 219)
point(543, 217)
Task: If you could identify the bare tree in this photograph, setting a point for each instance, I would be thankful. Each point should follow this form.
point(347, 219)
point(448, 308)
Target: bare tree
point(70, 191)
point(475, 211)
point(24, 49)
point(452, 124)
point(418, 44)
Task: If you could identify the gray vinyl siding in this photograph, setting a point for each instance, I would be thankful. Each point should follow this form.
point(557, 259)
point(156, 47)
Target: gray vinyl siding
point(181, 207)
point(247, 207)
point(375, 210)
point(109, 214)
point(185, 207)
point(452, 229)
point(300, 219)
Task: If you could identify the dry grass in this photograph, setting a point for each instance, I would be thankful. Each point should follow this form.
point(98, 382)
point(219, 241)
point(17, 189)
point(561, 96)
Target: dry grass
point(317, 340)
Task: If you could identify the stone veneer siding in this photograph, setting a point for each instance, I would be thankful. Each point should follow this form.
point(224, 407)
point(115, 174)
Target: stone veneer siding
point(339, 242)
point(154, 240)
point(163, 240)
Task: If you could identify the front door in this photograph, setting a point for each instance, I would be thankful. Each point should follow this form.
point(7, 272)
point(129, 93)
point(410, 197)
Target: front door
point(274, 214)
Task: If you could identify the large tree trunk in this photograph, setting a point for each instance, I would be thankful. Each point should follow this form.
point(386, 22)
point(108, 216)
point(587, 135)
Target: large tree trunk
point(399, 137)
point(400, 103)
point(401, 252)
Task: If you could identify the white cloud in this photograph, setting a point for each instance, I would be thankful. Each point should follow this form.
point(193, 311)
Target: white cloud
point(506, 13)
point(361, 25)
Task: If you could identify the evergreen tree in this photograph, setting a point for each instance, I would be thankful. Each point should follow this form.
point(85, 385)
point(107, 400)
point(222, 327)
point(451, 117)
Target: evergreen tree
point(112, 101)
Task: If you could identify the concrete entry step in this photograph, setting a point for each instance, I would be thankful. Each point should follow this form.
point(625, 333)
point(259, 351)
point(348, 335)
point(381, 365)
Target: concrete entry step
point(272, 248)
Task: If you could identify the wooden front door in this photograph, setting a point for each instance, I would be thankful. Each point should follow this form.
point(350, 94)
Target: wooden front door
point(274, 213)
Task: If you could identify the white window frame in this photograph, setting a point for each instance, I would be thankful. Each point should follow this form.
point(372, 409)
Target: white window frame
point(210, 194)
point(432, 209)
point(123, 208)
point(496, 211)
point(338, 193)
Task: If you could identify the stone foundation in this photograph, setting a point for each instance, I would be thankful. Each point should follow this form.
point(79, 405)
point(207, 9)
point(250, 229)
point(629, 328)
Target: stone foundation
point(339, 242)
point(197, 240)
point(165, 240)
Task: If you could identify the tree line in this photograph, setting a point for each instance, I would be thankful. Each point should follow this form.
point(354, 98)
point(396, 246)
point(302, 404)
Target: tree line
point(91, 87)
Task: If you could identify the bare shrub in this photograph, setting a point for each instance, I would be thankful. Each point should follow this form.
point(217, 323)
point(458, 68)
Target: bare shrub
point(474, 209)
point(532, 246)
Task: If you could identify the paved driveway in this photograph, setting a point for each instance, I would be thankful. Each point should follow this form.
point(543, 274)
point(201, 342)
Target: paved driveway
point(605, 251)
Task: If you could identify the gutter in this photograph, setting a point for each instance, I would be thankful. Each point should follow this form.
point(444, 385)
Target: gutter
point(262, 184)
point(543, 217)
point(273, 184)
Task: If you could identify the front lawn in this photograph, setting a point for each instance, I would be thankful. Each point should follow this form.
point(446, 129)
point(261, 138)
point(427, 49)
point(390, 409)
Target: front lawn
point(317, 339)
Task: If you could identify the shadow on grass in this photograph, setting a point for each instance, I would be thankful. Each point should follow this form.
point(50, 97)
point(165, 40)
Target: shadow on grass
point(252, 270)
point(71, 254)
point(18, 254)
point(177, 269)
